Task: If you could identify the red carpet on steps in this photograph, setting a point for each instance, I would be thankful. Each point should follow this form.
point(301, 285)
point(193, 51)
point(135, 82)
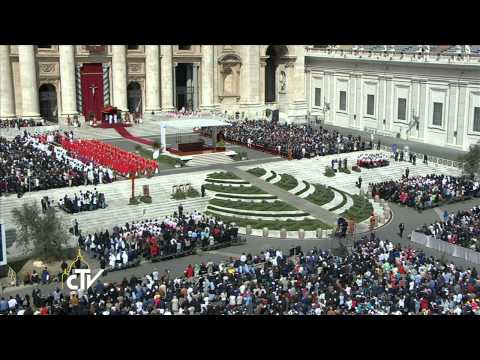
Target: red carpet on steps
point(125, 134)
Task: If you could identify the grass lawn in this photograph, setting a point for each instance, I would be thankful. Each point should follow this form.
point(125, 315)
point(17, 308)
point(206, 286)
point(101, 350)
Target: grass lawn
point(257, 171)
point(361, 210)
point(322, 195)
point(164, 161)
point(287, 182)
point(290, 225)
point(223, 175)
point(234, 189)
point(256, 206)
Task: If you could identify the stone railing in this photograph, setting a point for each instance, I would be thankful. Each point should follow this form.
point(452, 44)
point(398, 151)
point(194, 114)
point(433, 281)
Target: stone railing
point(431, 242)
point(381, 56)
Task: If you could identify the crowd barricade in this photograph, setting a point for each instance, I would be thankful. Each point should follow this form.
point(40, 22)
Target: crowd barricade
point(128, 265)
point(431, 242)
point(173, 255)
point(13, 132)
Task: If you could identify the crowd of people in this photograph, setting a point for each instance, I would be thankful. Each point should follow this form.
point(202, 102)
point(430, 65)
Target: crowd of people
point(424, 192)
point(151, 238)
point(461, 228)
point(18, 123)
point(371, 161)
point(84, 201)
point(299, 141)
point(376, 278)
point(110, 156)
point(30, 163)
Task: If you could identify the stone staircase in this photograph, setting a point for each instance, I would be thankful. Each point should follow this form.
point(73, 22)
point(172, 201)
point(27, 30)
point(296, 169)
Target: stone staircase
point(118, 212)
point(209, 159)
point(312, 170)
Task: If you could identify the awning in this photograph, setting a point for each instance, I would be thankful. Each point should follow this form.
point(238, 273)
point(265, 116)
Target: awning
point(191, 123)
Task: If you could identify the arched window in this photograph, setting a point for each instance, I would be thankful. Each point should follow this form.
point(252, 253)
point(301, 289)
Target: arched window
point(134, 97)
point(184, 47)
point(48, 102)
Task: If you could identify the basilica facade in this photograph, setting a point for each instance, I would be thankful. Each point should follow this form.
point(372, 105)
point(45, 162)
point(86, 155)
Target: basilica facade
point(56, 81)
point(423, 93)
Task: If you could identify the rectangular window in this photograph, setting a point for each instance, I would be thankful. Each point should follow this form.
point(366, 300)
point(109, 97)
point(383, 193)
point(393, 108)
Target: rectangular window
point(318, 97)
point(437, 114)
point(370, 104)
point(402, 109)
point(343, 101)
point(476, 119)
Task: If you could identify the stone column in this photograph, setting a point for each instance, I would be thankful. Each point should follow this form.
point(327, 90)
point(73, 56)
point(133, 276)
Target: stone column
point(195, 86)
point(452, 113)
point(7, 95)
point(381, 102)
point(422, 109)
point(119, 76)
point(389, 102)
point(28, 81)
point(207, 77)
point(67, 80)
point(250, 81)
point(167, 78)
point(462, 115)
point(152, 78)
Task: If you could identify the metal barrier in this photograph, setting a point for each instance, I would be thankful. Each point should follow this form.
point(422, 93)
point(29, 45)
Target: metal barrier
point(444, 247)
point(13, 132)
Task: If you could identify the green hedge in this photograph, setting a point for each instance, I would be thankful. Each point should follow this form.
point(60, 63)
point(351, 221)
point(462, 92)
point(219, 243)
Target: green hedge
point(344, 200)
point(322, 195)
point(233, 196)
point(234, 189)
point(257, 171)
point(223, 175)
point(217, 181)
point(329, 172)
point(236, 212)
point(256, 206)
point(307, 187)
point(289, 225)
point(274, 175)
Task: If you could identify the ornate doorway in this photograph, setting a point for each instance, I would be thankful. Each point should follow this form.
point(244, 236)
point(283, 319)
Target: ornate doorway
point(92, 90)
point(48, 102)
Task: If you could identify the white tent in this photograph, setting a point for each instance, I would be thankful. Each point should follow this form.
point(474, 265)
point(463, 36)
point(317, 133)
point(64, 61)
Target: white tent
point(188, 123)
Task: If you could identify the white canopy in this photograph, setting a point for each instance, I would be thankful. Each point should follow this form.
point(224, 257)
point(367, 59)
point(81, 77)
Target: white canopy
point(194, 122)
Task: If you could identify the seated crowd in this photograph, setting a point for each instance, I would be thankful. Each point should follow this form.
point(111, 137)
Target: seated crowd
point(425, 191)
point(17, 123)
point(172, 235)
point(461, 228)
point(122, 161)
point(304, 141)
point(377, 278)
point(87, 201)
point(370, 161)
point(28, 164)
